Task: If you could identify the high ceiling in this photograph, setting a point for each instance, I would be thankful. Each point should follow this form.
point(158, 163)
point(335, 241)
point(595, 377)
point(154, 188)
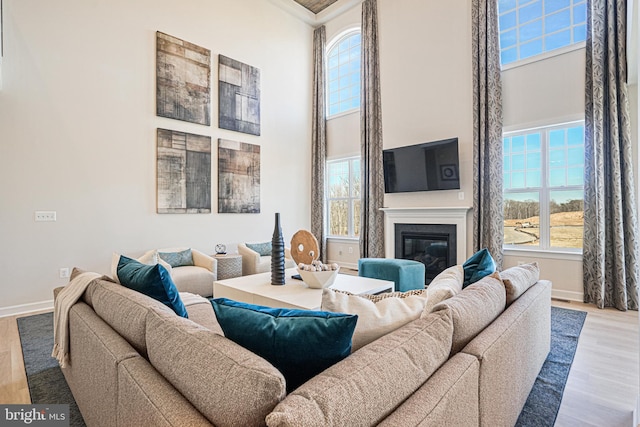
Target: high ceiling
point(315, 6)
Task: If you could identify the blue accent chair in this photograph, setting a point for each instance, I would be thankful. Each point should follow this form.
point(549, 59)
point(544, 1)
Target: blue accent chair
point(406, 274)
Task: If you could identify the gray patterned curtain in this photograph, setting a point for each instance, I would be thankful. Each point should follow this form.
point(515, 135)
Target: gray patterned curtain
point(610, 252)
point(488, 220)
point(372, 184)
point(318, 140)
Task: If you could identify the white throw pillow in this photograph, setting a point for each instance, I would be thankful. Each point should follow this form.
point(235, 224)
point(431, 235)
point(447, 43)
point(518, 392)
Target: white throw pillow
point(445, 285)
point(377, 314)
point(518, 279)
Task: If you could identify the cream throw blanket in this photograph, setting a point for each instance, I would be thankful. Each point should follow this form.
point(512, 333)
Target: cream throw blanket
point(63, 303)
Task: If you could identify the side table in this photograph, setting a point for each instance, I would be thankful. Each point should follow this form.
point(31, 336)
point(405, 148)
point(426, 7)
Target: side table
point(229, 266)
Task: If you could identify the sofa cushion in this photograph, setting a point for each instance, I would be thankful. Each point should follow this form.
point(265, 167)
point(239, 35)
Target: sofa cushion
point(367, 386)
point(264, 249)
point(178, 258)
point(151, 280)
point(377, 314)
point(451, 278)
point(518, 279)
point(201, 312)
point(474, 308)
point(448, 398)
point(300, 343)
point(125, 310)
point(196, 280)
point(145, 398)
point(445, 285)
point(227, 383)
point(479, 265)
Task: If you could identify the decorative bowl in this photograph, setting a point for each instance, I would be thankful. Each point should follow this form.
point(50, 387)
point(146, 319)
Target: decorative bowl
point(318, 279)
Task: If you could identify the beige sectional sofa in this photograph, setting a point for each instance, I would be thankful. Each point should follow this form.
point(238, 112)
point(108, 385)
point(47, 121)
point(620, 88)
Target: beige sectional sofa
point(470, 362)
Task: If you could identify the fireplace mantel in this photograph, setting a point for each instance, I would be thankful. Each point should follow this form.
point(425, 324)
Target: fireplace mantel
point(436, 215)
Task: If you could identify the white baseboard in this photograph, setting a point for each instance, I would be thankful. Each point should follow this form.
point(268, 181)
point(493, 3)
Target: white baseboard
point(567, 295)
point(26, 308)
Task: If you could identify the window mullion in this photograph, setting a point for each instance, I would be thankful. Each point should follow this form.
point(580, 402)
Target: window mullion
point(349, 202)
point(544, 191)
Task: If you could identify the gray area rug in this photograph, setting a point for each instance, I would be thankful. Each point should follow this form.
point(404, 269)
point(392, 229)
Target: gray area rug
point(543, 403)
point(47, 384)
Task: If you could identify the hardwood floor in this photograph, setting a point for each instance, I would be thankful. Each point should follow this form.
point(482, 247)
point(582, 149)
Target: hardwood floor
point(13, 381)
point(603, 383)
point(601, 390)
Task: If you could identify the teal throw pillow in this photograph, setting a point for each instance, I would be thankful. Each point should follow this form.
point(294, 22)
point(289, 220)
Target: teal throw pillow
point(480, 264)
point(177, 259)
point(264, 249)
point(299, 343)
point(152, 280)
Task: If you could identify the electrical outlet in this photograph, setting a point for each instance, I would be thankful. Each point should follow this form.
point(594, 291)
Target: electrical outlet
point(340, 252)
point(350, 249)
point(45, 216)
point(64, 272)
point(460, 195)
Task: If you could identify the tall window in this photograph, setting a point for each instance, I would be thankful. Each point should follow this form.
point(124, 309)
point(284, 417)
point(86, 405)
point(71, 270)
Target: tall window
point(529, 28)
point(343, 202)
point(544, 187)
point(343, 74)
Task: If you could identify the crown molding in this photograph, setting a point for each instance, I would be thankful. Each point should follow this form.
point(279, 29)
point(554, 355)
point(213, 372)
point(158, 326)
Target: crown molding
point(321, 18)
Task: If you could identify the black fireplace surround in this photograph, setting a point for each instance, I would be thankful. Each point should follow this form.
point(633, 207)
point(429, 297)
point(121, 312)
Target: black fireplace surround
point(432, 244)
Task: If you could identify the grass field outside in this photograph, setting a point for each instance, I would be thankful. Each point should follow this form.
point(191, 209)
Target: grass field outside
point(566, 230)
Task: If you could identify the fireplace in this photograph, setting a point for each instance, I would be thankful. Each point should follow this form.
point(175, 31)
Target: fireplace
point(432, 244)
point(428, 240)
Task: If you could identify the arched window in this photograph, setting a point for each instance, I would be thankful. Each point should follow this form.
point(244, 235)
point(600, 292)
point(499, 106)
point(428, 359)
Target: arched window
point(343, 73)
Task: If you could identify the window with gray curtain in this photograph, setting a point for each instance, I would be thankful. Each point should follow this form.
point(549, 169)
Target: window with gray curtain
point(610, 254)
point(487, 130)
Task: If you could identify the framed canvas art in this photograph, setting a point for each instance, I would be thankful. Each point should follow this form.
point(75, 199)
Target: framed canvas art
point(238, 96)
point(238, 177)
point(184, 172)
point(183, 74)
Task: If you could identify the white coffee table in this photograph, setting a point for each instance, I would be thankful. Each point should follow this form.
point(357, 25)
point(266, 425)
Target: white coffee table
point(257, 289)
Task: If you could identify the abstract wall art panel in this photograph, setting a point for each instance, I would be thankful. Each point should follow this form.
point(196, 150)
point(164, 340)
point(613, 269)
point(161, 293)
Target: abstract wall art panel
point(184, 172)
point(238, 96)
point(183, 74)
point(238, 177)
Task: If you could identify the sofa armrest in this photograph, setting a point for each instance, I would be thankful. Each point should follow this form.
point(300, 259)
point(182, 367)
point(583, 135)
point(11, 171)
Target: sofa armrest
point(511, 351)
point(250, 259)
point(203, 260)
point(244, 250)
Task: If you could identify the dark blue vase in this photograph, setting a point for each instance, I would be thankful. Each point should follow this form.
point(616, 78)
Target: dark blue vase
point(277, 254)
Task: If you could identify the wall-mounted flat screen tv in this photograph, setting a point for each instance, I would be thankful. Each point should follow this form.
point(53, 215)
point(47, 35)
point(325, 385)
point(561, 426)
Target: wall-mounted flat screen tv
point(422, 167)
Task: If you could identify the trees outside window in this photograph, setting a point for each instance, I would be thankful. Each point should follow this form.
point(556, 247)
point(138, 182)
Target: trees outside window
point(544, 187)
point(343, 197)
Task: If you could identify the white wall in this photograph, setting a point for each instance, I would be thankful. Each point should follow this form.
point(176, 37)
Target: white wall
point(78, 126)
point(427, 92)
